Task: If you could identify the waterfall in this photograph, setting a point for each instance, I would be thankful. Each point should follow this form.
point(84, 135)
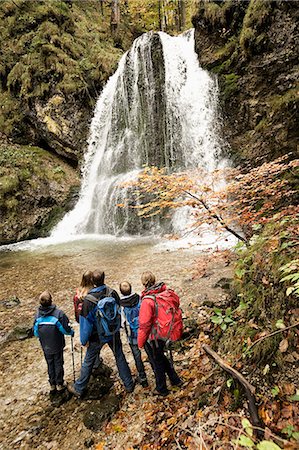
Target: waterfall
point(159, 108)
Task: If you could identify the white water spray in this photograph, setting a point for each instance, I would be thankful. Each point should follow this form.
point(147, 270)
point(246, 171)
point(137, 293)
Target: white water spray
point(159, 108)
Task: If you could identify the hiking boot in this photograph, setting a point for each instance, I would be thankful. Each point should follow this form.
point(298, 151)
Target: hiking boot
point(178, 383)
point(60, 388)
point(143, 382)
point(52, 388)
point(131, 389)
point(161, 393)
point(72, 390)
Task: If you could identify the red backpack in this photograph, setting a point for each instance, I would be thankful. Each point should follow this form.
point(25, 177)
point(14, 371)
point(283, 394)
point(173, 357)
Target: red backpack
point(78, 303)
point(168, 323)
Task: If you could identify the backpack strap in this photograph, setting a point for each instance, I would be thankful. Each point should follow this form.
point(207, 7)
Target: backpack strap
point(91, 299)
point(154, 329)
point(153, 297)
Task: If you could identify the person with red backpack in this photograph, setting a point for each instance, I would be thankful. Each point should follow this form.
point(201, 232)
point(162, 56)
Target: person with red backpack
point(86, 285)
point(160, 322)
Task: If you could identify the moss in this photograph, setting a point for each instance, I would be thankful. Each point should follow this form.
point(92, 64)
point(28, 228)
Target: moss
point(8, 183)
point(52, 48)
point(281, 101)
point(230, 85)
point(256, 18)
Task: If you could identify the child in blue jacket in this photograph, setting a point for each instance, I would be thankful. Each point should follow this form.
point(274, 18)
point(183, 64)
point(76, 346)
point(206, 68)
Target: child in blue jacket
point(50, 326)
point(130, 304)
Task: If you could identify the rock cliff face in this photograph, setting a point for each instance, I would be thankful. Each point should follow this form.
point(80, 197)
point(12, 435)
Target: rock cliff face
point(55, 60)
point(253, 48)
point(36, 188)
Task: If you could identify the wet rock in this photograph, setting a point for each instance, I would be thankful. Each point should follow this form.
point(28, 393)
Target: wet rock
point(19, 333)
point(11, 302)
point(100, 411)
point(223, 283)
point(100, 383)
point(257, 75)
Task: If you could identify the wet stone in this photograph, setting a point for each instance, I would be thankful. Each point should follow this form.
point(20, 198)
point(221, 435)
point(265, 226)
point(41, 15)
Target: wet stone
point(223, 283)
point(100, 383)
point(100, 411)
point(11, 302)
point(19, 333)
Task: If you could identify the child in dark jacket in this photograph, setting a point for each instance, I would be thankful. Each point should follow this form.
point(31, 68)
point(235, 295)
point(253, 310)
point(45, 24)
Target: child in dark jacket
point(130, 304)
point(50, 326)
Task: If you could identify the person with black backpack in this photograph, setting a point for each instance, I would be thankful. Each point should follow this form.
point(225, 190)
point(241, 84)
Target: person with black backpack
point(130, 304)
point(160, 323)
point(100, 323)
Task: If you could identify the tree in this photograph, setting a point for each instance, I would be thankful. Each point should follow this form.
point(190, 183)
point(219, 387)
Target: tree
point(115, 15)
point(246, 200)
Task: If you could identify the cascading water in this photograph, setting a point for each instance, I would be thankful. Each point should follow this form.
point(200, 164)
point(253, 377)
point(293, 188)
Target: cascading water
point(159, 108)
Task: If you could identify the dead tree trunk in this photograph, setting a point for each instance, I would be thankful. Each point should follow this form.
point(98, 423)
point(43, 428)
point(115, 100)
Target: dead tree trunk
point(249, 389)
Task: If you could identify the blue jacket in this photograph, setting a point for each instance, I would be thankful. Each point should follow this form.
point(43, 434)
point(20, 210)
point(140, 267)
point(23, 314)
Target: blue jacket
point(50, 326)
point(87, 318)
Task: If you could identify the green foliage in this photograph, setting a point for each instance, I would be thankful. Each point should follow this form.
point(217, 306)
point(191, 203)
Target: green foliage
point(224, 320)
point(291, 432)
point(259, 284)
point(247, 440)
point(291, 275)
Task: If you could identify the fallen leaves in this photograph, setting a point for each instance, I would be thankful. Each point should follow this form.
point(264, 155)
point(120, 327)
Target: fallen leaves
point(283, 346)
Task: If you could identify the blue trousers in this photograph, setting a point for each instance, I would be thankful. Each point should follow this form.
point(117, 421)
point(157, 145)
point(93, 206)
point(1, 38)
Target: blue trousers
point(91, 355)
point(55, 368)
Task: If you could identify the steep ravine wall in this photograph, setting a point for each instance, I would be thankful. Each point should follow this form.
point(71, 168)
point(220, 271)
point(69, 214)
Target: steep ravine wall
point(252, 46)
point(56, 59)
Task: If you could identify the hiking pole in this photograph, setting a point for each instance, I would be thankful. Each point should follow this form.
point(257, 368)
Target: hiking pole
point(73, 357)
point(169, 349)
point(81, 355)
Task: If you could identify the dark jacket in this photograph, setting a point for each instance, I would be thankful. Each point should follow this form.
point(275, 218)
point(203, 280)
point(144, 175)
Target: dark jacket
point(50, 326)
point(87, 318)
point(130, 300)
point(127, 303)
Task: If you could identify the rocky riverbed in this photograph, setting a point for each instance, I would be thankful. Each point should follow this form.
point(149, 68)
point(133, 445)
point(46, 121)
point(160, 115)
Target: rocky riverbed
point(29, 419)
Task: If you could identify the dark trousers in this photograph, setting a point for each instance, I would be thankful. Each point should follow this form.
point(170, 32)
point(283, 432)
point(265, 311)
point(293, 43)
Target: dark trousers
point(161, 365)
point(138, 361)
point(55, 368)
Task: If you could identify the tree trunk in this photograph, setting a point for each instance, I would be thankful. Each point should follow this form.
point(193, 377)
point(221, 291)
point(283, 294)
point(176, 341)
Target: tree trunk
point(102, 6)
point(115, 15)
point(181, 15)
point(249, 390)
point(160, 15)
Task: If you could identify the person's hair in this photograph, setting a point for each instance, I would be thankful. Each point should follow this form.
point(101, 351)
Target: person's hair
point(148, 279)
point(87, 279)
point(125, 288)
point(45, 298)
point(98, 277)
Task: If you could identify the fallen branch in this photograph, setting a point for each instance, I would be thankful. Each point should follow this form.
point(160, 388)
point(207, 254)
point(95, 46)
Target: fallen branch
point(249, 389)
point(271, 334)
